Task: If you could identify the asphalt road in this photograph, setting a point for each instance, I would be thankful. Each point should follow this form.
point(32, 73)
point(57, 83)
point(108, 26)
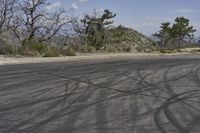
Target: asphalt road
point(154, 95)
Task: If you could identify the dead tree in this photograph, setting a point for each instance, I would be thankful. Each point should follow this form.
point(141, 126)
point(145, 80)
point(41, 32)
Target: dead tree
point(33, 18)
point(54, 24)
point(31, 14)
point(6, 11)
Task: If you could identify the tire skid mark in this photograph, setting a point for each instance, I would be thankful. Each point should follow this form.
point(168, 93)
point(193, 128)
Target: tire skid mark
point(101, 108)
point(62, 103)
point(172, 93)
point(101, 112)
point(169, 115)
point(134, 107)
point(23, 83)
point(157, 121)
point(142, 88)
point(71, 119)
point(56, 101)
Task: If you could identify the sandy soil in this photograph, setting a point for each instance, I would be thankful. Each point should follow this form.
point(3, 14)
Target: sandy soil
point(24, 60)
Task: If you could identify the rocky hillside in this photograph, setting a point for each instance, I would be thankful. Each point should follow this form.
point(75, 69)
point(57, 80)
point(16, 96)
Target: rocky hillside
point(126, 39)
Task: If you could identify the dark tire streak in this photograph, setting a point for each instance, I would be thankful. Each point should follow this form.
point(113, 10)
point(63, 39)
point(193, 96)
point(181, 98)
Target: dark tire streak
point(158, 95)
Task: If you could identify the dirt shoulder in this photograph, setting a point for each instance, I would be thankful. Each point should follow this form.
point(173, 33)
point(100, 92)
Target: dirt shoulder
point(26, 60)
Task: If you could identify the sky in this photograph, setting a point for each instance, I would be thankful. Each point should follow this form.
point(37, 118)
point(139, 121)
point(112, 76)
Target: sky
point(144, 16)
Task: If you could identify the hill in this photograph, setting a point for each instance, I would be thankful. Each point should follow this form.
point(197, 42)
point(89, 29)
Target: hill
point(123, 39)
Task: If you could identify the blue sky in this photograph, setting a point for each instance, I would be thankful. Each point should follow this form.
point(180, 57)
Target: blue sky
point(142, 15)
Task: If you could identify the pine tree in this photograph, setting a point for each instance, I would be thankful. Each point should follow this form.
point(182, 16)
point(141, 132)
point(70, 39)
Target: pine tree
point(94, 28)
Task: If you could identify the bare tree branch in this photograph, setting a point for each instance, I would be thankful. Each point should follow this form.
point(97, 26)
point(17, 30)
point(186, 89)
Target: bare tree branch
point(6, 10)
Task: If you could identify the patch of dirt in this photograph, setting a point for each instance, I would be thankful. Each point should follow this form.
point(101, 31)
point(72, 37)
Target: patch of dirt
point(25, 60)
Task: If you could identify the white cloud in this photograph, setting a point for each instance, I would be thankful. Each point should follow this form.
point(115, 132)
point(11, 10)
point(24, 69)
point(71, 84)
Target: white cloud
point(83, 1)
point(149, 23)
point(76, 4)
point(196, 24)
point(54, 5)
point(157, 19)
point(181, 11)
point(185, 11)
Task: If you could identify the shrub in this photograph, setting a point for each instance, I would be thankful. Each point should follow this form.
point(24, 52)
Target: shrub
point(179, 50)
point(52, 52)
point(39, 47)
point(70, 52)
point(86, 49)
point(8, 49)
point(166, 51)
point(111, 49)
point(127, 49)
point(33, 46)
point(91, 49)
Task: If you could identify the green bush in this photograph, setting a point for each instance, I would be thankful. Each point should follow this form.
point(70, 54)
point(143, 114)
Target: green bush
point(168, 51)
point(70, 52)
point(91, 49)
point(128, 49)
point(179, 50)
point(8, 49)
point(52, 52)
point(39, 47)
point(86, 49)
point(111, 49)
point(33, 46)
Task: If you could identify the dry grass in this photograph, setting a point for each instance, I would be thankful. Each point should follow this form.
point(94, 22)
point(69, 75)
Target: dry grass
point(190, 50)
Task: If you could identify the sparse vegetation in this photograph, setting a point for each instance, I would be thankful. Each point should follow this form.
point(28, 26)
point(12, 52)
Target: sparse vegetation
point(28, 29)
point(176, 36)
point(8, 49)
point(69, 52)
point(52, 52)
point(92, 28)
point(122, 39)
